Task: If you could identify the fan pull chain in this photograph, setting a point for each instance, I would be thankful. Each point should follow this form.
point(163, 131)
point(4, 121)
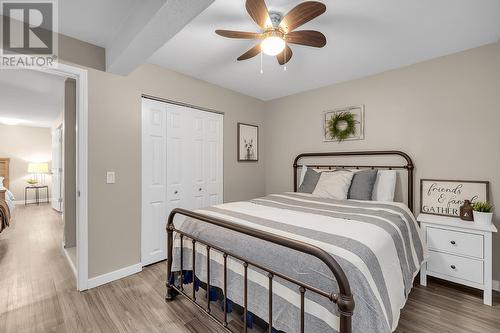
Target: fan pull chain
point(284, 67)
point(261, 60)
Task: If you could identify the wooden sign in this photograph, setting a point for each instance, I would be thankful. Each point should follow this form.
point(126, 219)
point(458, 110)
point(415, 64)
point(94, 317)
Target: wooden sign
point(444, 197)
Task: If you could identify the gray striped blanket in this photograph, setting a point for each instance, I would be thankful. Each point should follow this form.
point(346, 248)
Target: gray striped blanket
point(378, 245)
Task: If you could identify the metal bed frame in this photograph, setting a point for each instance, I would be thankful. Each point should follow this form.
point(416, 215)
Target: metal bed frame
point(343, 299)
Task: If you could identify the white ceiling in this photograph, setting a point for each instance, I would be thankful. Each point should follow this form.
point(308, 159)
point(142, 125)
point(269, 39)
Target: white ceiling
point(95, 21)
point(30, 98)
point(364, 37)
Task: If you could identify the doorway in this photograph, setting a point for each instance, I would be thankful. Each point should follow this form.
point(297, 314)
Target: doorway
point(79, 82)
point(41, 173)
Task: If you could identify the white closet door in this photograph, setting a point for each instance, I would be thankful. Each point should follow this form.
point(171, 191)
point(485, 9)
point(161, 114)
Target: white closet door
point(197, 172)
point(212, 188)
point(182, 168)
point(179, 164)
point(154, 129)
point(197, 142)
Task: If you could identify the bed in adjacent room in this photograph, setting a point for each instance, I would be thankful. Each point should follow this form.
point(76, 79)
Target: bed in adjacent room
point(330, 257)
point(6, 197)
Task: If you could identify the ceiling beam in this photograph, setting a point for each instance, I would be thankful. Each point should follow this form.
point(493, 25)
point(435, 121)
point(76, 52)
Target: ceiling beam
point(152, 25)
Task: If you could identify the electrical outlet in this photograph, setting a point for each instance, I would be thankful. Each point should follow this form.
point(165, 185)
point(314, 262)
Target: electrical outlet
point(110, 177)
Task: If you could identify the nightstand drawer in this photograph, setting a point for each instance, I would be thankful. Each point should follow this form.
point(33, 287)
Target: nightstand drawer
point(455, 266)
point(455, 242)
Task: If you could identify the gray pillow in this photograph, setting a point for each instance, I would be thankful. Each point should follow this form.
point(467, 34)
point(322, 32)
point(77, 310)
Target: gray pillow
point(362, 185)
point(310, 180)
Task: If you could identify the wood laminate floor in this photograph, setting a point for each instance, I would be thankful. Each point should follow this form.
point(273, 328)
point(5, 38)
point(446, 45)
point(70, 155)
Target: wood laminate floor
point(38, 293)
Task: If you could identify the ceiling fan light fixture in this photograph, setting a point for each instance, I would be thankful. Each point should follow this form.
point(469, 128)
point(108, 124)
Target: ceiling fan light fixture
point(278, 31)
point(273, 44)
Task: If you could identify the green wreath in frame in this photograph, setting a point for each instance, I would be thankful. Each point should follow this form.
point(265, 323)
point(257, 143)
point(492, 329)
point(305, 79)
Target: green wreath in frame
point(342, 125)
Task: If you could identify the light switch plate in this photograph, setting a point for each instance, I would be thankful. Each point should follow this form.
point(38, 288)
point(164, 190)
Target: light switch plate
point(110, 177)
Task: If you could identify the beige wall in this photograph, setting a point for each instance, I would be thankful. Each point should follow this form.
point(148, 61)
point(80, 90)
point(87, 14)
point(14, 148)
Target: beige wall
point(24, 144)
point(115, 144)
point(445, 113)
point(82, 53)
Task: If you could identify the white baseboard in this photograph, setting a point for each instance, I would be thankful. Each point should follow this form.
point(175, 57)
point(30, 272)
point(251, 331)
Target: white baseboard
point(30, 201)
point(115, 275)
point(71, 264)
point(496, 285)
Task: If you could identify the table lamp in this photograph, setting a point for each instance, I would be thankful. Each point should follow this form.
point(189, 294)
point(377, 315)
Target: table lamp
point(38, 170)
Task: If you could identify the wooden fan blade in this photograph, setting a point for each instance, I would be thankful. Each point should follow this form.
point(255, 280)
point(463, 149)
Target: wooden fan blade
point(302, 14)
point(238, 34)
point(286, 52)
point(257, 10)
point(250, 53)
point(307, 38)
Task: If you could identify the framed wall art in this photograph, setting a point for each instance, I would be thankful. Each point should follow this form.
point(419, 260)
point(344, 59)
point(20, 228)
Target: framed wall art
point(248, 143)
point(444, 197)
point(344, 124)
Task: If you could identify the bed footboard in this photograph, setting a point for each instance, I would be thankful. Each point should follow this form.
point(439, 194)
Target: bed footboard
point(343, 299)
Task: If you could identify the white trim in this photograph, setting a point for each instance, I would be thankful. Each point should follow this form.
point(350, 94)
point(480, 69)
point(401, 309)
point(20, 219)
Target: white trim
point(81, 77)
point(115, 275)
point(30, 201)
point(496, 285)
point(71, 264)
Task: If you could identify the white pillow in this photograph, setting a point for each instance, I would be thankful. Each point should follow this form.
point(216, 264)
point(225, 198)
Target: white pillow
point(333, 185)
point(385, 186)
point(1, 181)
point(304, 170)
point(302, 174)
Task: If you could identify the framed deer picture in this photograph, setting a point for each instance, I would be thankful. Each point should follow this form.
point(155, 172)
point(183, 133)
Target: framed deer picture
point(248, 143)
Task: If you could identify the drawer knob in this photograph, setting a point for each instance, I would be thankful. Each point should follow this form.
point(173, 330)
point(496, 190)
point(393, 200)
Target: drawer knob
point(453, 242)
point(200, 189)
point(453, 267)
point(175, 192)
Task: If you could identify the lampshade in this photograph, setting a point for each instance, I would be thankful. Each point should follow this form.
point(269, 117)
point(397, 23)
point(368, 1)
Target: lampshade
point(38, 167)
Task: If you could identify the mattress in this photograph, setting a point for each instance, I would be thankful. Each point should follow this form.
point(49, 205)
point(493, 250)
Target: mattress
point(377, 244)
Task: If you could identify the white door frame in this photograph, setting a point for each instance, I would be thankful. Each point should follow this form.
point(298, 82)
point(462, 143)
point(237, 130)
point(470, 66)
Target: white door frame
point(81, 77)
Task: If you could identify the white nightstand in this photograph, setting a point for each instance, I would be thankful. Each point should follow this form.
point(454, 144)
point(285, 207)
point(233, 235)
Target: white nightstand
point(459, 251)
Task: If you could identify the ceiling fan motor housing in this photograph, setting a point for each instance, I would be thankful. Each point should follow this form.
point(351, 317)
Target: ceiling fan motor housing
point(276, 18)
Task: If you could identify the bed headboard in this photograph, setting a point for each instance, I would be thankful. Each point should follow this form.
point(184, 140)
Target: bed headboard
point(4, 170)
point(405, 163)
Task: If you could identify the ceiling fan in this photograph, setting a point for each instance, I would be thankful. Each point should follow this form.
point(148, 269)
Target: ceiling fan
point(278, 30)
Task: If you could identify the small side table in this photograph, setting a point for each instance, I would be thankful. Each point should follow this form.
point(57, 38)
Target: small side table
point(37, 189)
point(460, 252)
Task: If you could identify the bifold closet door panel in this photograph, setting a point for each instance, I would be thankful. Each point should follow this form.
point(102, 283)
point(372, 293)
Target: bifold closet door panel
point(197, 161)
point(214, 159)
point(179, 168)
point(154, 128)
point(206, 159)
